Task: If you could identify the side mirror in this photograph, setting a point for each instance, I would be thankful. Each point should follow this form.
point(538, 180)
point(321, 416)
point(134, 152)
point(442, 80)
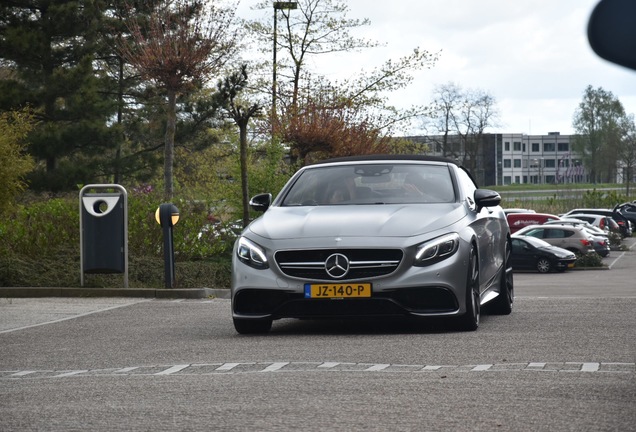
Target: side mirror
point(486, 198)
point(261, 202)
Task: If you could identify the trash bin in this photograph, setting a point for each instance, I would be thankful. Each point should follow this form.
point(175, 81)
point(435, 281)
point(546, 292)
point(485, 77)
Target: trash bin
point(104, 230)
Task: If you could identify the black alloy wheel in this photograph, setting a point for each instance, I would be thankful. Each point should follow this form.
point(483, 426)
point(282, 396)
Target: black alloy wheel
point(502, 305)
point(470, 320)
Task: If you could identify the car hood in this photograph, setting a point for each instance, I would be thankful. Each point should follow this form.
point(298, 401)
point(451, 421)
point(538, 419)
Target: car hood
point(355, 221)
point(559, 252)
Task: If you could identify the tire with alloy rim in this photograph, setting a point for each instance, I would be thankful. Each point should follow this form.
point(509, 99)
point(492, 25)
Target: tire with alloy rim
point(544, 265)
point(502, 305)
point(252, 326)
point(470, 320)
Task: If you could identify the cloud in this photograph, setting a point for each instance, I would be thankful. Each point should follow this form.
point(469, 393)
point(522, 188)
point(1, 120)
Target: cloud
point(533, 56)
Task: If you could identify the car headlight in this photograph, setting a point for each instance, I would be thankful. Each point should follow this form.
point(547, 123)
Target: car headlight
point(251, 254)
point(437, 249)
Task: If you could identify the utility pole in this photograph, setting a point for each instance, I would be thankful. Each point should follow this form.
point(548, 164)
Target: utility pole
point(277, 6)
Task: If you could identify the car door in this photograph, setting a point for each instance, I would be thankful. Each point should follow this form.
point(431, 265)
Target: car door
point(490, 227)
point(522, 254)
point(556, 237)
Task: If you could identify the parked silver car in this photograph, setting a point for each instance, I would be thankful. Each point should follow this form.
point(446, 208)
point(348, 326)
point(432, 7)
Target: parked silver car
point(373, 236)
point(572, 238)
point(601, 241)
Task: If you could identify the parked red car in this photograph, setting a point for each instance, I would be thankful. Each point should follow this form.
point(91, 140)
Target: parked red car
point(516, 221)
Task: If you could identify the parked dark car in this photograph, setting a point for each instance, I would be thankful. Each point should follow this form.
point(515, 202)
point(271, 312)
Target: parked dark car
point(374, 236)
point(628, 210)
point(601, 245)
point(530, 253)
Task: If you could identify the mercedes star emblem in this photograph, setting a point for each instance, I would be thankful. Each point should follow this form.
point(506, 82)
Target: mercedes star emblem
point(337, 265)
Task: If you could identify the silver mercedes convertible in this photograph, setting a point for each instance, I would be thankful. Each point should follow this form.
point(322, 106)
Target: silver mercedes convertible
point(373, 236)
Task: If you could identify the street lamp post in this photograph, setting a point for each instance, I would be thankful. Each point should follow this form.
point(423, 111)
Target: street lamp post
point(277, 6)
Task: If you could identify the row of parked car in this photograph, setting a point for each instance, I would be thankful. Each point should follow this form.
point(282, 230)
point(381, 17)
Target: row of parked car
point(547, 242)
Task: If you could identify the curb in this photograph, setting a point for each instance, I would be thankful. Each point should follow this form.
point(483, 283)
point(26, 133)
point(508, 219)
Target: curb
point(187, 293)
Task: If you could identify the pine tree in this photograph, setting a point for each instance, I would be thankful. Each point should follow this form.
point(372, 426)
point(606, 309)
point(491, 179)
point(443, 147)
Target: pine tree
point(47, 51)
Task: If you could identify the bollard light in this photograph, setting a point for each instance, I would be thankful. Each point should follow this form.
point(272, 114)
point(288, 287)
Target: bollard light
point(167, 215)
point(170, 213)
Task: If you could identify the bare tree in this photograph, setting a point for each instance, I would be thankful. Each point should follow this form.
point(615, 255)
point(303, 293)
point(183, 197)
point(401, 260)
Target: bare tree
point(321, 27)
point(478, 112)
point(466, 114)
point(315, 27)
point(182, 44)
point(446, 100)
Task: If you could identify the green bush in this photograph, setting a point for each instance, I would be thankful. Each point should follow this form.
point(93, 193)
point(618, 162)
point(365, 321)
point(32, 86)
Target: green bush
point(561, 198)
point(41, 228)
point(602, 199)
point(615, 239)
point(589, 260)
point(42, 245)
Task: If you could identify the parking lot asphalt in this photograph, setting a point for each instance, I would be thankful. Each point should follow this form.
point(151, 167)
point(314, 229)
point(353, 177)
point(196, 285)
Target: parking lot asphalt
point(614, 280)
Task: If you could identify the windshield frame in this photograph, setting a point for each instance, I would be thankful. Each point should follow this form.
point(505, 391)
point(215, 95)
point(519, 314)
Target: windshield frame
point(371, 183)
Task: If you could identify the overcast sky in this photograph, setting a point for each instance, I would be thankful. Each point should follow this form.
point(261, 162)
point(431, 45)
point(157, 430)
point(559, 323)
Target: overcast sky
point(533, 56)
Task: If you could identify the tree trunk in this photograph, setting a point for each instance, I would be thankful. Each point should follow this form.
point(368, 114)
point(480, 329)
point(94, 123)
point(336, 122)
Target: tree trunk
point(168, 152)
point(120, 119)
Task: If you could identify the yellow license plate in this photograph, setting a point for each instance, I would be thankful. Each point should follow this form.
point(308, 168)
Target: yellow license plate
point(335, 291)
point(570, 265)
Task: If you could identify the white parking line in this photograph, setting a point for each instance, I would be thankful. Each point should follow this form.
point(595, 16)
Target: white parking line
point(74, 316)
point(590, 367)
point(621, 256)
point(431, 368)
point(275, 366)
point(173, 369)
point(328, 365)
point(126, 369)
point(346, 367)
point(23, 373)
point(479, 368)
point(377, 367)
point(70, 373)
point(227, 366)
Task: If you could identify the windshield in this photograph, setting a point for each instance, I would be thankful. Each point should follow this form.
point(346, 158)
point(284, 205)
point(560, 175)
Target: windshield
point(372, 184)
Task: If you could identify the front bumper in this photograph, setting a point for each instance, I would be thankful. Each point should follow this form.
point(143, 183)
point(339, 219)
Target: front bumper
point(273, 303)
point(438, 289)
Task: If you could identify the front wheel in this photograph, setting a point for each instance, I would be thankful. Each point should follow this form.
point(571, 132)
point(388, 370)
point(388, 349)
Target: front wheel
point(470, 320)
point(252, 326)
point(544, 265)
point(502, 305)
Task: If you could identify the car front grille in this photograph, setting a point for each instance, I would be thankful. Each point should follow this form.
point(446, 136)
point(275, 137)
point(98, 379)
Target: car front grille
point(361, 263)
